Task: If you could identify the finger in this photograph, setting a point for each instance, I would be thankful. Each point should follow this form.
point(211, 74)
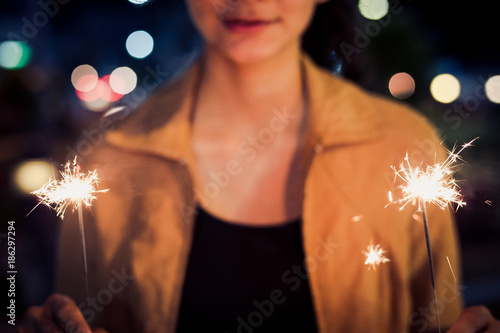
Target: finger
point(99, 330)
point(46, 323)
point(30, 321)
point(493, 326)
point(64, 310)
point(472, 320)
point(37, 320)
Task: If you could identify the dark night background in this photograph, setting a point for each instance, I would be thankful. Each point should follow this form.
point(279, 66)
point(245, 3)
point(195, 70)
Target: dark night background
point(41, 116)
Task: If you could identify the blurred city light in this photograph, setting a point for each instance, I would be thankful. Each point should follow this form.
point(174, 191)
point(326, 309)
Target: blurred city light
point(84, 78)
point(101, 90)
point(98, 105)
point(14, 55)
point(445, 88)
point(492, 88)
point(373, 9)
point(402, 85)
point(32, 174)
point(110, 95)
point(139, 44)
point(123, 80)
point(100, 97)
point(138, 2)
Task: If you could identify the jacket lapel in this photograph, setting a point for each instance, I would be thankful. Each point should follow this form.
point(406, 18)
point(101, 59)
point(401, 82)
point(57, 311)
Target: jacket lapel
point(339, 114)
point(336, 117)
point(162, 126)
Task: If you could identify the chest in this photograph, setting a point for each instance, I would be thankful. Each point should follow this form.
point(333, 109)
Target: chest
point(255, 177)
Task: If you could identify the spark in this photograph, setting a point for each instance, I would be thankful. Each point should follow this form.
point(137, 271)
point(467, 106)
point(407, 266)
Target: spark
point(375, 256)
point(74, 189)
point(451, 269)
point(433, 184)
point(357, 218)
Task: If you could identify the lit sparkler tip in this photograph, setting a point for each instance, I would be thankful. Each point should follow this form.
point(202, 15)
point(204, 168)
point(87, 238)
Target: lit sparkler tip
point(375, 256)
point(432, 184)
point(73, 189)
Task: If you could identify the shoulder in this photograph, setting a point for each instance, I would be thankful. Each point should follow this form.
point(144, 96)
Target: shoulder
point(159, 107)
point(345, 109)
point(394, 115)
point(156, 127)
point(404, 129)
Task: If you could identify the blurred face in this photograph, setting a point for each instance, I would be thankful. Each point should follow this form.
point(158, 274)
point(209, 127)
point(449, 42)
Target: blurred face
point(247, 31)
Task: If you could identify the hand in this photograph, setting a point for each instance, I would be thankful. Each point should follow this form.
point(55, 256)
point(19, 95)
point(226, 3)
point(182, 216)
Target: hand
point(59, 313)
point(476, 319)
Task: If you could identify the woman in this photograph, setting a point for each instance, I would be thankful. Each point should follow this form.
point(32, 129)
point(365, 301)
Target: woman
point(242, 196)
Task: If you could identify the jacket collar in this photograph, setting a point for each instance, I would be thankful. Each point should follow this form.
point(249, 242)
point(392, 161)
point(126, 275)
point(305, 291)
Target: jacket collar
point(339, 113)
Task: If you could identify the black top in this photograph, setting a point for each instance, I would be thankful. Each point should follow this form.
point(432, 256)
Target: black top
point(245, 279)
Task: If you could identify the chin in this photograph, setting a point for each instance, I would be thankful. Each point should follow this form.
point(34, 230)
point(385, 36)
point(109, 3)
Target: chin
point(249, 53)
point(248, 57)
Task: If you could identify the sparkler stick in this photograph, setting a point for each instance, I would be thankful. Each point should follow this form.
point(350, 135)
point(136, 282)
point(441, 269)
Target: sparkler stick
point(73, 189)
point(84, 250)
point(431, 263)
point(434, 185)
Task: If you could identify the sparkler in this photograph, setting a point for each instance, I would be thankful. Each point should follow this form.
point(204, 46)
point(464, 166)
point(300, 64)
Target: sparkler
point(74, 189)
point(375, 256)
point(432, 185)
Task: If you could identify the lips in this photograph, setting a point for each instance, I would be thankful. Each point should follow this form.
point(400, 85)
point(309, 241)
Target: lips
point(243, 24)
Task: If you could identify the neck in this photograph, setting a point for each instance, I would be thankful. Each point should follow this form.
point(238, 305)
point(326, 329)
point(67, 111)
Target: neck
point(250, 90)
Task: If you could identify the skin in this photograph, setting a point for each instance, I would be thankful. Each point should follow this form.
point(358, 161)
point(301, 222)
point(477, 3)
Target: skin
point(475, 319)
point(59, 313)
point(246, 74)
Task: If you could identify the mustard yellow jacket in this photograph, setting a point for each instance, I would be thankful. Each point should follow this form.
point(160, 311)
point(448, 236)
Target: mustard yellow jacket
point(139, 233)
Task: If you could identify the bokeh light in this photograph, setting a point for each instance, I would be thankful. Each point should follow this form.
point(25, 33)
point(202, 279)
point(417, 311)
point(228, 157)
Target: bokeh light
point(101, 90)
point(402, 85)
point(138, 2)
point(492, 88)
point(111, 96)
point(139, 44)
point(14, 55)
point(100, 97)
point(373, 9)
point(445, 88)
point(84, 78)
point(98, 105)
point(32, 174)
point(123, 80)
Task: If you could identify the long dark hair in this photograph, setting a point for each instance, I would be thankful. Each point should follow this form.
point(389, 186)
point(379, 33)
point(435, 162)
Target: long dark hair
point(332, 24)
